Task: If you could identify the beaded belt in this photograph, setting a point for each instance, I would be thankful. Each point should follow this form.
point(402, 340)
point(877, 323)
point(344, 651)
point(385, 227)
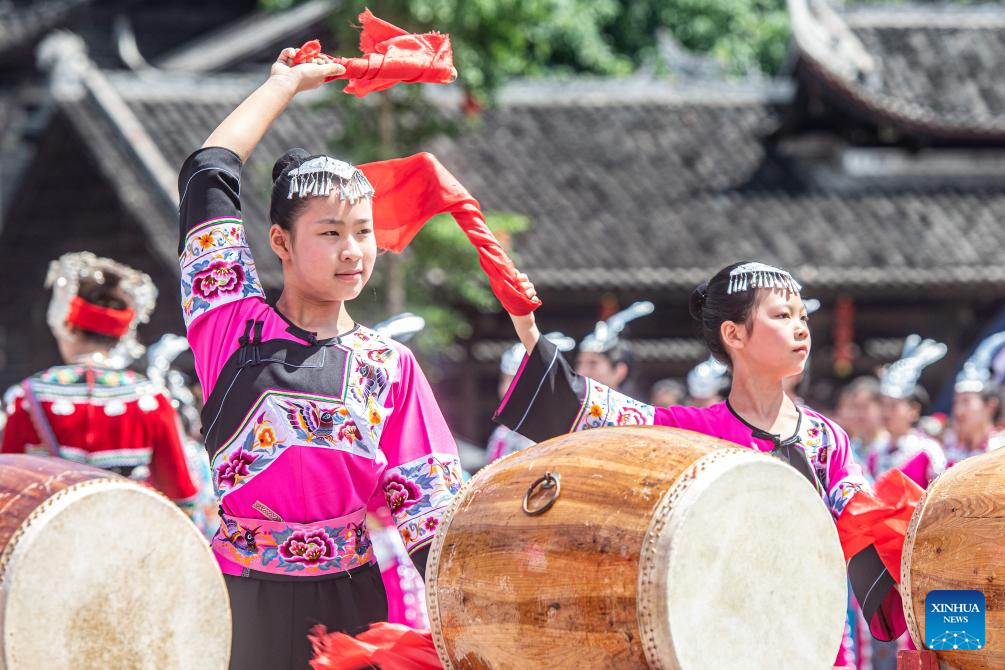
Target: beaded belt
point(295, 549)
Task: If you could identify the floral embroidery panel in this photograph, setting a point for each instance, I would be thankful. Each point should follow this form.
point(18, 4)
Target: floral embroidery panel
point(418, 494)
point(603, 406)
point(216, 268)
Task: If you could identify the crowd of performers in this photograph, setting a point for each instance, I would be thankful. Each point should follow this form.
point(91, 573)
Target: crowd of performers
point(311, 449)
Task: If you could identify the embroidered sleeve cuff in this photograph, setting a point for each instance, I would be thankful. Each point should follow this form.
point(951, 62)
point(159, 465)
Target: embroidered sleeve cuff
point(418, 494)
point(841, 494)
point(603, 406)
point(216, 268)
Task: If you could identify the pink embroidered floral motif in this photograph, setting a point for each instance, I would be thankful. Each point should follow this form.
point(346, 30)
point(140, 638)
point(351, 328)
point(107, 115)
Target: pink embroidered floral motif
point(431, 523)
point(630, 416)
point(400, 493)
point(219, 278)
point(234, 469)
point(308, 547)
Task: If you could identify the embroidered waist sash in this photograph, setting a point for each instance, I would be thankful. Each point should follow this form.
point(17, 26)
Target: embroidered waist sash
point(295, 549)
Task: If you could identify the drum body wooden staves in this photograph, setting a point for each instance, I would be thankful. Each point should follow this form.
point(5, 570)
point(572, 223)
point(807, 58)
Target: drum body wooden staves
point(98, 572)
point(956, 541)
point(663, 549)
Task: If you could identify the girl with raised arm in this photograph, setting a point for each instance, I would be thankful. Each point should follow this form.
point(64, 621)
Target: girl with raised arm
point(308, 413)
point(754, 321)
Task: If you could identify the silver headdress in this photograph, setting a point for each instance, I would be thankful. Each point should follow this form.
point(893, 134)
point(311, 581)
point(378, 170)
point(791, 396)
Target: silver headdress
point(759, 275)
point(977, 374)
point(605, 335)
point(811, 305)
point(707, 379)
point(401, 327)
point(64, 277)
point(900, 378)
point(509, 363)
point(321, 175)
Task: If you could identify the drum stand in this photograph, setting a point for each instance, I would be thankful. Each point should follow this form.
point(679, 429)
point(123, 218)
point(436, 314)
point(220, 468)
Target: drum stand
point(917, 660)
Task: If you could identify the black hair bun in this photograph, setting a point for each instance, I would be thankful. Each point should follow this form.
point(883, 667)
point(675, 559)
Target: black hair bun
point(697, 300)
point(291, 158)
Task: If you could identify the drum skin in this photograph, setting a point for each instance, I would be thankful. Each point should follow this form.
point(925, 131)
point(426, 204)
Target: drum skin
point(956, 541)
point(27, 482)
point(97, 571)
point(574, 587)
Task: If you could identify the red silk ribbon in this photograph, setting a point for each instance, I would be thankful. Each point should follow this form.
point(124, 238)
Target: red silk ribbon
point(390, 56)
point(880, 520)
point(410, 191)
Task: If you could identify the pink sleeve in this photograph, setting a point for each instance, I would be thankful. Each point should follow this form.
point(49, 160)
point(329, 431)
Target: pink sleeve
point(844, 476)
point(423, 471)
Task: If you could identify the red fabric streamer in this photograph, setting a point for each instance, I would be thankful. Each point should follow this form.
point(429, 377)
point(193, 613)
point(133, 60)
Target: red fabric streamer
point(881, 521)
point(390, 646)
point(390, 56)
point(410, 191)
point(96, 319)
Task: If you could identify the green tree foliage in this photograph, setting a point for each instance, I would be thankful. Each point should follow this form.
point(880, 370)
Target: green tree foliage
point(745, 36)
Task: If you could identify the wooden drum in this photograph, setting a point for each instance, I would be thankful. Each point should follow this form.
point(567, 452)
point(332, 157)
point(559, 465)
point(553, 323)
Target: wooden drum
point(99, 572)
point(956, 540)
point(661, 548)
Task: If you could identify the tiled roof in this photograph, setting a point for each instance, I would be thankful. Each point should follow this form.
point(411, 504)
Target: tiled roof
point(646, 191)
point(932, 70)
point(22, 22)
point(659, 195)
point(253, 39)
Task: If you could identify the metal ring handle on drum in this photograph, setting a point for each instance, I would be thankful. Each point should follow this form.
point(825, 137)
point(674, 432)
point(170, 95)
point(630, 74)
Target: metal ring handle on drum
point(547, 481)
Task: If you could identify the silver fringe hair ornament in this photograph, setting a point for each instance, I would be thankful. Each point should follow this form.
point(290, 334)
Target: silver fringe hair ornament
point(65, 275)
point(509, 363)
point(605, 334)
point(401, 327)
point(708, 378)
point(758, 275)
point(900, 378)
point(977, 374)
point(320, 175)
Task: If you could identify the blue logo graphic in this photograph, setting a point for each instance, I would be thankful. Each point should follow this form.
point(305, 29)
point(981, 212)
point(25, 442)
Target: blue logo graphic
point(954, 620)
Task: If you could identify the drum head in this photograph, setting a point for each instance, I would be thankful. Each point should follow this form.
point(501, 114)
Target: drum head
point(109, 574)
point(755, 575)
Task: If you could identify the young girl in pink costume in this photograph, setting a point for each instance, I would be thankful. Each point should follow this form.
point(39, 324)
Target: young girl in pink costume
point(753, 320)
point(307, 413)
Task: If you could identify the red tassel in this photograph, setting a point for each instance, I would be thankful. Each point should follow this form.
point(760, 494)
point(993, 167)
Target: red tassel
point(390, 646)
point(390, 56)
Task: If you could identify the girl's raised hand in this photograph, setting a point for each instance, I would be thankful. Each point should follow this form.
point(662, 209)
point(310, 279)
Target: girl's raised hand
point(526, 326)
point(306, 76)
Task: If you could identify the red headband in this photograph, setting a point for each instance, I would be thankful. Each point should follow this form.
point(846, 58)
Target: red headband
point(102, 320)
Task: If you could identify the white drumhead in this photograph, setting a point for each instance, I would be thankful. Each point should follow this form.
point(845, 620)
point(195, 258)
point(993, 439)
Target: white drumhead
point(752, 574)
point(112, 575)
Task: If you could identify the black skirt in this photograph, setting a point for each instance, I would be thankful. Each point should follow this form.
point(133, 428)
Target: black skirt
point(272, 615)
